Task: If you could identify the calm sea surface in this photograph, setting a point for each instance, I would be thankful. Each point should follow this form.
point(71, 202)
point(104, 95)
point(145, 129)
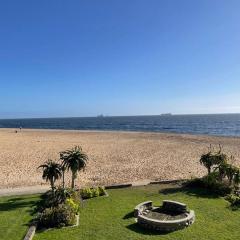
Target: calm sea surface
point(217, 124)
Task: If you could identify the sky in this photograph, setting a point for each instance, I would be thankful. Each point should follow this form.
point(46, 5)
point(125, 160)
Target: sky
point(124, 57)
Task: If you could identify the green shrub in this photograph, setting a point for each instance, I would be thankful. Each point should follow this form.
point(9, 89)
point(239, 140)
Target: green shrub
point(213, 158)
point(76, 197)
point(58, 196)
point(86, 193)
point(95, 192)
point(92, 192)
point(102, 191)
point(73, 205)
point(59, 216)
point(195, 183)
point(211, 183)
point(48, 200)
point(234, 200)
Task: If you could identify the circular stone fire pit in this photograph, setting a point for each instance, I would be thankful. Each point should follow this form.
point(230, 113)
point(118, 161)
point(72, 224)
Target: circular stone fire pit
point(171, 216)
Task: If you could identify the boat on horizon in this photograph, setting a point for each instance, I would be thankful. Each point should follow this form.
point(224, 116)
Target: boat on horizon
point(166, 114)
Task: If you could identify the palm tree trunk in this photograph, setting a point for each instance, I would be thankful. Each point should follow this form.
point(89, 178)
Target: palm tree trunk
point(73, 179)
point(63, 179)
point(52, 184)
point(230, 180)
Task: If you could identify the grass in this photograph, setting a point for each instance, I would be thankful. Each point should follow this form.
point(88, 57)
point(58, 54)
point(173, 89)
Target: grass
point(15, 214)
point(112, 218)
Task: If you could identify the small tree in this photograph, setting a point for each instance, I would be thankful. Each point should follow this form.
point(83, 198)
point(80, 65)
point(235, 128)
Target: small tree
point(231, 172)
point(206, 160)
point(236, 178)
point(222, 169)
point(51, 172)
point(75, 160)
point(213, 158)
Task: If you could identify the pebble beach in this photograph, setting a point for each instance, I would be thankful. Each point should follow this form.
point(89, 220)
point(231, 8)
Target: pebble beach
point(114, 157)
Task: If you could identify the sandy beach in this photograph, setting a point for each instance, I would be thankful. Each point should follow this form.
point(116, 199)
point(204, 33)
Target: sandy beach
point(114, 157)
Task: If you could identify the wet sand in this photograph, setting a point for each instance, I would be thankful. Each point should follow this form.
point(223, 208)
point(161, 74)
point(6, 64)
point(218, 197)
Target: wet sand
point(114, 157)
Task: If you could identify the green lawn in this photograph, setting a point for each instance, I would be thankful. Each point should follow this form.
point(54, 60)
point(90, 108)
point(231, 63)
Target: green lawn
point(111, 218)
point(15, 214)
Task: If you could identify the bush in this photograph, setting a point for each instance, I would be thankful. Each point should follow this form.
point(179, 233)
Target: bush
point(76, 197)
point(58, 208)
point(48, 200)
point(211, 183)
point(234, 200)
point(95, 192)
point(59, 216)
point(92, 192)
point(86, 193)
point(102, 191)
point(195, 183)
point(74, 206)
point(58, 196)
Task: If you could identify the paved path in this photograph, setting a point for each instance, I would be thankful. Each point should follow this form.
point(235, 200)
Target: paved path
point(23, 190)
point(141, 182)
point(44, 188)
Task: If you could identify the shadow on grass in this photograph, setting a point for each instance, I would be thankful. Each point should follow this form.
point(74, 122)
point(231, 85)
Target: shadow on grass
point(138, 229)
point(18, 203)
point(233, 208)
point(129, 215)
point(196, 192)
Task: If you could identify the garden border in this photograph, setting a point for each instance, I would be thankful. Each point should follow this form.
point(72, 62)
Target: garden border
point(32, 229)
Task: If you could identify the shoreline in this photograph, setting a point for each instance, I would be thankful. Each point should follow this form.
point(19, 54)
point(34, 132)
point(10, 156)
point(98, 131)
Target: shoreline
point(115, 156)
point(117, 131)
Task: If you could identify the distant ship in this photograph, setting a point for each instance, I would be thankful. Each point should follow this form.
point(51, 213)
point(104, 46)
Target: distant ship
point(100, 116)
point(166, 114)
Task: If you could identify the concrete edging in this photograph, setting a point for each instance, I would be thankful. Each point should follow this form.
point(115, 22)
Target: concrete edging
point(118, 186)
point(126, 185)
point(32, 229)
point(31, 232)
point(168, 181)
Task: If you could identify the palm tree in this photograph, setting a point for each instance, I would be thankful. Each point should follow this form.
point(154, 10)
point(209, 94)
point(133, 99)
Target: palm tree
point(51, 172)
point(75, 160)
point(63, 168)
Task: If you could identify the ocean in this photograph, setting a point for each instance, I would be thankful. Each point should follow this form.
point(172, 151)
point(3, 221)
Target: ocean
point(211, 124)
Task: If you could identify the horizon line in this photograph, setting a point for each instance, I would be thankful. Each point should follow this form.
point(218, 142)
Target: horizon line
point(140, 115)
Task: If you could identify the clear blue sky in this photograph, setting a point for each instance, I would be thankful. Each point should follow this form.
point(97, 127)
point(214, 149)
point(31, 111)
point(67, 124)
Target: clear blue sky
point(122, 57)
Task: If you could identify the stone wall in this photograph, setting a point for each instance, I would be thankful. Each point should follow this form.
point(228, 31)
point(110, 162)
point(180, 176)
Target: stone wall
point(168, 225)
point(164, 225)
point(173, 206)
point(142, 207)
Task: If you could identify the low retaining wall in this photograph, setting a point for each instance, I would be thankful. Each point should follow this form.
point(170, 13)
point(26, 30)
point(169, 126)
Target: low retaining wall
point(118, 186)
point(168, 225)
point(173, 206)
point(142, 207)
point(164, 225)
point(30, 233)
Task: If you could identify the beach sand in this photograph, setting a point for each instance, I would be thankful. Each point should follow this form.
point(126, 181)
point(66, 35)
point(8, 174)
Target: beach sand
point(114, 157)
